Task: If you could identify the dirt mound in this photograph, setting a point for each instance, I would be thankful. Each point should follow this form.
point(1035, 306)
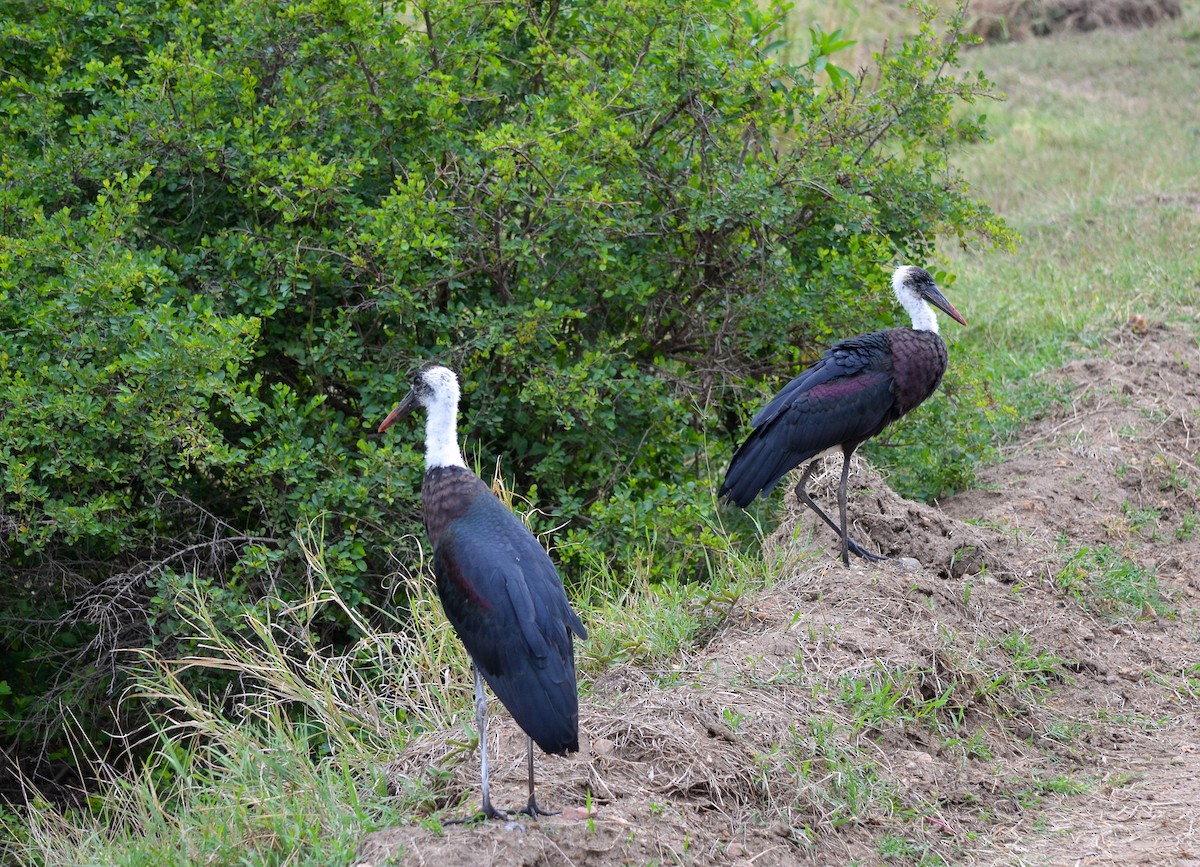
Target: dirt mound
point(1117, 469)
point(902, 712)
point(1005, 20)
point(882, 520)
point(1117, 476)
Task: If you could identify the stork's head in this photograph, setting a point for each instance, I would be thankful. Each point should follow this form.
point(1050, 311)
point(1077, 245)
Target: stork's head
point(433, 386)
point(915, 289)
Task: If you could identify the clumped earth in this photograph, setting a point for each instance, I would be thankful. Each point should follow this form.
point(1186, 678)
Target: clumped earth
point(1014, 20)
point(1025, 693)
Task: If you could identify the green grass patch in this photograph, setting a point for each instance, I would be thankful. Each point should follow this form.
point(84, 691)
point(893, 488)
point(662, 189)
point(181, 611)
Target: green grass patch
point(837, 773)
point(1105, 235)
point(258, 798)
point(896, 847)
point(1042, 785)
point(1034, 671)
point(1110, 584)
point(1187, 527)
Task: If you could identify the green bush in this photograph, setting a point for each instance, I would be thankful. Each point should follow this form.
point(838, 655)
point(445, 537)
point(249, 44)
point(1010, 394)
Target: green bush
point(229, 231)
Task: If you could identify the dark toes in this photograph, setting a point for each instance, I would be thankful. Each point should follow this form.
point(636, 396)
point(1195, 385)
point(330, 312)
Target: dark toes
point(859, 551)
point(532, 810)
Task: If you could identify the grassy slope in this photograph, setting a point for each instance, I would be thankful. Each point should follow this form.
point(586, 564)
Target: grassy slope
point(1093, 162)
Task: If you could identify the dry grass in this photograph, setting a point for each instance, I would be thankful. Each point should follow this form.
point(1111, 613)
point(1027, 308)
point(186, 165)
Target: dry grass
point(1014, 20)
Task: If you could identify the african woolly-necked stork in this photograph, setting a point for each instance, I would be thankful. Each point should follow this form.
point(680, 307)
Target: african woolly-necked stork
point(498, 587)
point(856, 389)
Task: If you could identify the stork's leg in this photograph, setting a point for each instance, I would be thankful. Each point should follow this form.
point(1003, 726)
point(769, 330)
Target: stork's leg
point(848, 544)
point(803, 496)
point(532, 809)
point(842, 508)
point(488, 811)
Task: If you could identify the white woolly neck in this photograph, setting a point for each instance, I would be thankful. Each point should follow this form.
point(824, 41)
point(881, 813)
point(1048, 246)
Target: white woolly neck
point(441, 419)
point(922, 315)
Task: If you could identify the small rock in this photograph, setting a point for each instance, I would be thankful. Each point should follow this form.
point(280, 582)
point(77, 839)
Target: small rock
point(907, 564)
point(916, 757)
point(602, 747)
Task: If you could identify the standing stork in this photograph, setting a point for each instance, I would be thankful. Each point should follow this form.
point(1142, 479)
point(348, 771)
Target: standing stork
point(498, 587)
point(856, 389)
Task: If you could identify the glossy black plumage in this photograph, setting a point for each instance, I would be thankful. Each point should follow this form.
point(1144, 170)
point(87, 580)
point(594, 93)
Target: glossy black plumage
point(504, 598)
point(850, 395)
point(498, 587)
point(856, 389)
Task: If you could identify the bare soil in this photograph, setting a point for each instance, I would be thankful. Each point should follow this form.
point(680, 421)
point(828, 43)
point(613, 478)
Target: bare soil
point(966, 709)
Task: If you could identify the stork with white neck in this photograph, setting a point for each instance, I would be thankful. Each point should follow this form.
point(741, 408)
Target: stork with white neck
point(499, 589)
point(856, 389)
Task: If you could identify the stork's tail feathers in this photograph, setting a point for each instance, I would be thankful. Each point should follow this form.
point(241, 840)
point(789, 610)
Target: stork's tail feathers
point(756, 468)
point(544, 703)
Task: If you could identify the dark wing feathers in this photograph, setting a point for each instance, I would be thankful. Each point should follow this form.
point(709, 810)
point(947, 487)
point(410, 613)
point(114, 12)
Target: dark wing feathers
point(839, 361)
point(504, 598)
point(844, 398)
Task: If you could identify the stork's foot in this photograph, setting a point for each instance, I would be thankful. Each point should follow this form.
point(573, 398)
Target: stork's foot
point(487, 813)
point(859, 551)
point(532, 810)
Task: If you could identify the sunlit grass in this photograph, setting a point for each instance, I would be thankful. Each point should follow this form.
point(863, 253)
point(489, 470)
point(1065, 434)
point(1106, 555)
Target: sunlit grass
point(1092, 162)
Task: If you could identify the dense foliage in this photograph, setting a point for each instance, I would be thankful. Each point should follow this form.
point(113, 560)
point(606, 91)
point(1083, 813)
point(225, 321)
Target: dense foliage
point(228, 232)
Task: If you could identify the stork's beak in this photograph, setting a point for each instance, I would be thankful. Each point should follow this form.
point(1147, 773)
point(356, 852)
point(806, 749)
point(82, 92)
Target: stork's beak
point(406, 406)
point(934, 296)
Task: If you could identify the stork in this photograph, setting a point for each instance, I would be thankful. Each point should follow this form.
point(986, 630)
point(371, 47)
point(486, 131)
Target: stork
point(498, 587)
point(856, 389)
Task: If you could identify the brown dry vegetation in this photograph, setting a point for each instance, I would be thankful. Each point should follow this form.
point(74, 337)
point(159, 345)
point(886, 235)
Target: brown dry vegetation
point(991, 704)
point(1003, 20)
